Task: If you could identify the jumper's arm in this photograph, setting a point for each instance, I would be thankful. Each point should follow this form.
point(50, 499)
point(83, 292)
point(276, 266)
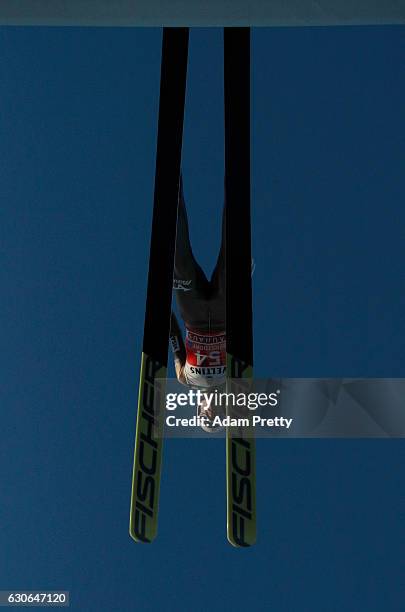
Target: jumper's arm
point(178, 349)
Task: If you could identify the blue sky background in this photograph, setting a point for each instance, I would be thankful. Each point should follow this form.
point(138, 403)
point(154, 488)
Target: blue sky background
point(78, 120)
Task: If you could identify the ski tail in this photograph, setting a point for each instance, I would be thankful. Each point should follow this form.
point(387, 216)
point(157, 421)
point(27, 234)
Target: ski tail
point(149, 427)
point(240, 444)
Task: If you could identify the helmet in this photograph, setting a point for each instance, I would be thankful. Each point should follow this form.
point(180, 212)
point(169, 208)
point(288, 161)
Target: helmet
point(207, 415)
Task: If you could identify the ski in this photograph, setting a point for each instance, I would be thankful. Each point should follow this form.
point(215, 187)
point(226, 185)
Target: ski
point(149, 425)
point(240, 443)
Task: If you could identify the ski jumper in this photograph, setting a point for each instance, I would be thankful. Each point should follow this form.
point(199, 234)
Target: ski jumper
point(201, 360)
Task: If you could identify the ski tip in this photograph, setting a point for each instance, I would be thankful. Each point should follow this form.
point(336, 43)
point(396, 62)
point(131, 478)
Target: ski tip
point(241, 542)
point(140, 536)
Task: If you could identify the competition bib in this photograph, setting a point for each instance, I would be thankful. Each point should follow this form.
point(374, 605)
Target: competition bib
point(206, 358)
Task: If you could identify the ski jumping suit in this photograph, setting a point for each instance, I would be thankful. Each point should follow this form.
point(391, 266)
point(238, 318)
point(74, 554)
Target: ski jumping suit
point(201, 303)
